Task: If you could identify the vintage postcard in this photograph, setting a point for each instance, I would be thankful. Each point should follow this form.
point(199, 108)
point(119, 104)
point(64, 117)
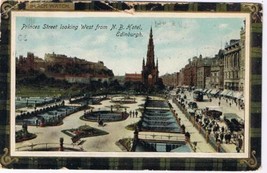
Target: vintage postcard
point(134, 84)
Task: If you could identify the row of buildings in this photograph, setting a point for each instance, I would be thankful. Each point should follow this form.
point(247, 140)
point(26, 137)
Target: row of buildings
point(224, 71)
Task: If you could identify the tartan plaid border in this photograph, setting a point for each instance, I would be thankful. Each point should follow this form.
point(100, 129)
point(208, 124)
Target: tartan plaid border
point(139, 163)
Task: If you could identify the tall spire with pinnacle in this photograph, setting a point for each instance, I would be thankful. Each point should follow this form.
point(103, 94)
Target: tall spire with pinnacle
point(150, 51)
point(151, 35)
point(143, 62)
point(150, 72)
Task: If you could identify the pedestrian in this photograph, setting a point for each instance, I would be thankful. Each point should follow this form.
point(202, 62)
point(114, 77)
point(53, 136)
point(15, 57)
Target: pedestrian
point(221, 137)
point(122, 116)
point(237, 149)
point(219, 103)
point(36, 122)
point(136, 113)
point(210, 125)
point(214, 129)
point(197, 117)
point(209, 130)
point(183, 128)
point(200, 123)
point(222, 129)
point(228, 138)
point(230, 104)
point(240, 142)
point(216, 136)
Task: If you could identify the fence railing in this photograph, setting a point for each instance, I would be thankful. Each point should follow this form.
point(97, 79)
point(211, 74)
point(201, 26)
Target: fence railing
point(50, 147)
point(166, 137)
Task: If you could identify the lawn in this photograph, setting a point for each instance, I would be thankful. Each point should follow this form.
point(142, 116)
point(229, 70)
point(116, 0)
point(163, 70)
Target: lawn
point(45, 91)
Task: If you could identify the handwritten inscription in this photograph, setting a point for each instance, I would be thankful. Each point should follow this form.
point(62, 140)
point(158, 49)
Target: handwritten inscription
point(163, 23)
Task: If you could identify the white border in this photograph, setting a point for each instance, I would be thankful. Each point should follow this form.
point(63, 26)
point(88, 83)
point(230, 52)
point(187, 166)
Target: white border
point(74, 14)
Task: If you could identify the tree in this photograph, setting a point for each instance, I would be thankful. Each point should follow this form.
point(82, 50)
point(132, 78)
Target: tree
point(105, 84)
point(160, 85)
point(114, 85)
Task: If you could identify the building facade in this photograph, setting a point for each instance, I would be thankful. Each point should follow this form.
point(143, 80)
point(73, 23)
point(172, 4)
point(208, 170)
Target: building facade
point(133, 77)
point(195, 72)
point(232, 65)
point(170, 79)
point(217, 71)
point(52, 58)
point(242, 60)
point(203, 71)
point(181, 78)
point(31, 62)
point(190, 72)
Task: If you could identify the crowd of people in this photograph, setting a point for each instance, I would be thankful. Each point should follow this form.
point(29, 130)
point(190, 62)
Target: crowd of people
point(219, 131)
point(133, 114)
point(216, 129)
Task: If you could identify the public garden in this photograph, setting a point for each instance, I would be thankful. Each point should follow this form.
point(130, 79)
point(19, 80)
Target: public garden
point(122, 122)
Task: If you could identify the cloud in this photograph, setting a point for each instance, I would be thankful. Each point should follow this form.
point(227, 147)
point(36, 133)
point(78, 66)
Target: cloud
point(223, 25)
point(176, 31)
point(233, 34)
point(92, 39)
point(122, 66)
point(174, 61)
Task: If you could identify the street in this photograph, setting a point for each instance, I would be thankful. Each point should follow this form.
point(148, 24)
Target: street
point(226, 107)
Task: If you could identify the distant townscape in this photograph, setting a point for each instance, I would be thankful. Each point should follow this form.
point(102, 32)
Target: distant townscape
point(224, 71)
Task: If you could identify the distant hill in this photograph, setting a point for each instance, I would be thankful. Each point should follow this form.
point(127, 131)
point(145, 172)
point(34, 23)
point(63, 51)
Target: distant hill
point(62, 67)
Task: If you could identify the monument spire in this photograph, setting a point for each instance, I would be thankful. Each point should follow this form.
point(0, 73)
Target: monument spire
point(143, 62)
point(150, 51)
point(150, 72)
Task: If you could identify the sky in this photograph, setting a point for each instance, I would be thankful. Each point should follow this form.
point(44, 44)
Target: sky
point(176, 39)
